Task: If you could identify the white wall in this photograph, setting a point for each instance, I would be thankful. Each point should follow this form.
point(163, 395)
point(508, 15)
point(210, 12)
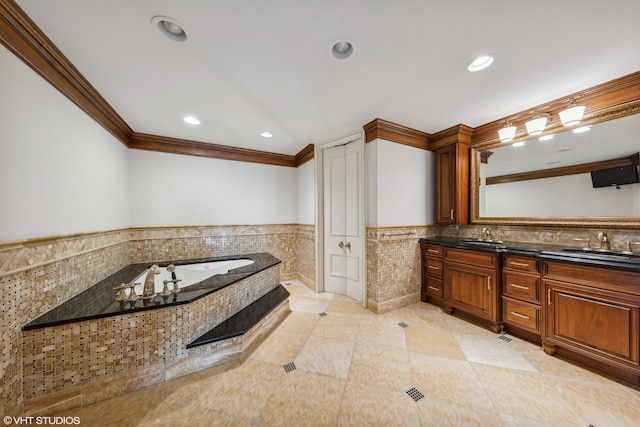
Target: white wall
point(401, 184)
point(571, 195)
point(60, 172)
point(306, 193)
point(173, 190)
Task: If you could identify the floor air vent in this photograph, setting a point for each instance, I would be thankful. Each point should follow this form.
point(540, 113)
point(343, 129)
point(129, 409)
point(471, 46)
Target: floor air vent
point(289, 367)
point(505, 338)
point(415, 394)
point(404, 325)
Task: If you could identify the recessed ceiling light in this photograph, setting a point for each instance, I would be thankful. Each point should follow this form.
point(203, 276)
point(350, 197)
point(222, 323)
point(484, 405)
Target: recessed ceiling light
point(480, 63)
point(341, 49)
point(169, 27)
point(191, 120)
point(582, 129)
point(266, 134)
point(546, 137)
point(518, 144)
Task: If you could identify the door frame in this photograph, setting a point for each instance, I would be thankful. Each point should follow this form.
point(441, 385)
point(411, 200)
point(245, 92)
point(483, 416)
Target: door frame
point(357, 137)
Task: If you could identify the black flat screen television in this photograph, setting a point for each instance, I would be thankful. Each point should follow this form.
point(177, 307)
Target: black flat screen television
point(615, 176)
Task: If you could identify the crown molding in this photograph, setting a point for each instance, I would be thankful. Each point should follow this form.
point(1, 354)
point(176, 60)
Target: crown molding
point(389, 131)
point(455, 134)
point(25, 40)
point(164, 144)
point(306, 154)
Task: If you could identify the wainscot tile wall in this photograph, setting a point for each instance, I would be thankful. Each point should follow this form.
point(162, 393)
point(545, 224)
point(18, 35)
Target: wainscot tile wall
point(393, 266)
point(39, 274)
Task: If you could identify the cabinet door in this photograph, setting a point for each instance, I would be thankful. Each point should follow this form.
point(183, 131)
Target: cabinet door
point(472, 289)
point(452, 184)
point(592, 321)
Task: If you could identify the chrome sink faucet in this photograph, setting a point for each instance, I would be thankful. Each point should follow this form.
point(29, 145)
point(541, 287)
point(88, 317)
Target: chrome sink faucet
point(485, 232)
point(605, 245)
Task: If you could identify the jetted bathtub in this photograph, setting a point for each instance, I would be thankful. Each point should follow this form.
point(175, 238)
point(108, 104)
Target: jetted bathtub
point(191, 274)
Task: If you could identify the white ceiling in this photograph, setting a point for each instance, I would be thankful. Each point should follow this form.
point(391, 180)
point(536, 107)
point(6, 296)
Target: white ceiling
point(255, 65)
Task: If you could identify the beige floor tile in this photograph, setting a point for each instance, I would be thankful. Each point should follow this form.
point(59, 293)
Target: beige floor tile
point(241, 392)
point(298, 323)
point(365, 405)
point(381, 366)
point(442, 413)
point(492, 351)
point(352, 307)
point(601, 405)
point(199, 416)
point(304, 399)
point(448, 379)
point(555, 366)
point(382, 332)
point(526, 395)
point(308, 304)
point(337, 326)
point(437, 342)
point(325, 356)
point(142, 408)
point(423, 318)
point(455, 324)
point(279, 348)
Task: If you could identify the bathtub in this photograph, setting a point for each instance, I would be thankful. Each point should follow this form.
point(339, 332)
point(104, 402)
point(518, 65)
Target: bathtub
point(191, 274)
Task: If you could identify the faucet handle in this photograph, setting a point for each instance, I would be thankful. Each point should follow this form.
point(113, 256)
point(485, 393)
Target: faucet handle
point(629, 245)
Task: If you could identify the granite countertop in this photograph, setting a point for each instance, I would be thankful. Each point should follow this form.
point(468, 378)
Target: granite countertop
point(99, 300)
point(552, 252)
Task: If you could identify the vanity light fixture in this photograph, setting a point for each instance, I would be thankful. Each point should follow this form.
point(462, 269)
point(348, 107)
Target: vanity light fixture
point(480, 63)
point(169, 27)
point(191, 120)
point(266, 134)
point(572, 115)
point(508, 132)
point(536, 125)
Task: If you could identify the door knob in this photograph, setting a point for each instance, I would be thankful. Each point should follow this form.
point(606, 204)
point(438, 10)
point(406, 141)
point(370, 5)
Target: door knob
point(348, 245)
point(341, 245)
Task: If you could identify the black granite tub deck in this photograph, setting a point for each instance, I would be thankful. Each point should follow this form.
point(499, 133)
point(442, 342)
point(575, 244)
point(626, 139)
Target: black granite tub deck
point(99, 300)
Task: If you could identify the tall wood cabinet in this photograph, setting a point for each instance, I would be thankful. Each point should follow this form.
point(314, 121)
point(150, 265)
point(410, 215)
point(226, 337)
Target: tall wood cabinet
point(452, 184)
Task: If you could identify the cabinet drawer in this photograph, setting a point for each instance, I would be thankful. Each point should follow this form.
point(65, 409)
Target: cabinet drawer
point(435, 287)
point(520, 263)
point(433, 250)
point(484, 259)
point(525, 286)
point(521, 313)
point(435, 267)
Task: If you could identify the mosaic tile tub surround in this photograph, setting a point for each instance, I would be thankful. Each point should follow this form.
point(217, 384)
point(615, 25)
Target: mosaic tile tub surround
point(39, 274)
point(73, 359)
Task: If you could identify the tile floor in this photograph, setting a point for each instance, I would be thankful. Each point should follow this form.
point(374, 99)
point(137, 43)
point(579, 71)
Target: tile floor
point(354, 368)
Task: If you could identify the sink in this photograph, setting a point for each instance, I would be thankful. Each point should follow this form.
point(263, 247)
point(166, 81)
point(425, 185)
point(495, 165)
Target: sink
point(487, 243)
point(608, 254)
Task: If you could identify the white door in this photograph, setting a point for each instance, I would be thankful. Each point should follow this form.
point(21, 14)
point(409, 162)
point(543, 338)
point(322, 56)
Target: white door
point(343, 240)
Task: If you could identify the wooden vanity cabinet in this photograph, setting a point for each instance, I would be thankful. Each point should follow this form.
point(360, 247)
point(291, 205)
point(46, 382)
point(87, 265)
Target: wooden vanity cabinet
point(592, 315)
point(452, 184)
point(432, 289)
point(472, 284)
point(521, 296)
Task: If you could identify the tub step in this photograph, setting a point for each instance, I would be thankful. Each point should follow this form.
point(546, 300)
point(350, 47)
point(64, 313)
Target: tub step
point(245, 319)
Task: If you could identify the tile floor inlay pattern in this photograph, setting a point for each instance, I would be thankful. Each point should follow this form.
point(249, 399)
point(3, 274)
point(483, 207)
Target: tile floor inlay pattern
point(353, 367)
